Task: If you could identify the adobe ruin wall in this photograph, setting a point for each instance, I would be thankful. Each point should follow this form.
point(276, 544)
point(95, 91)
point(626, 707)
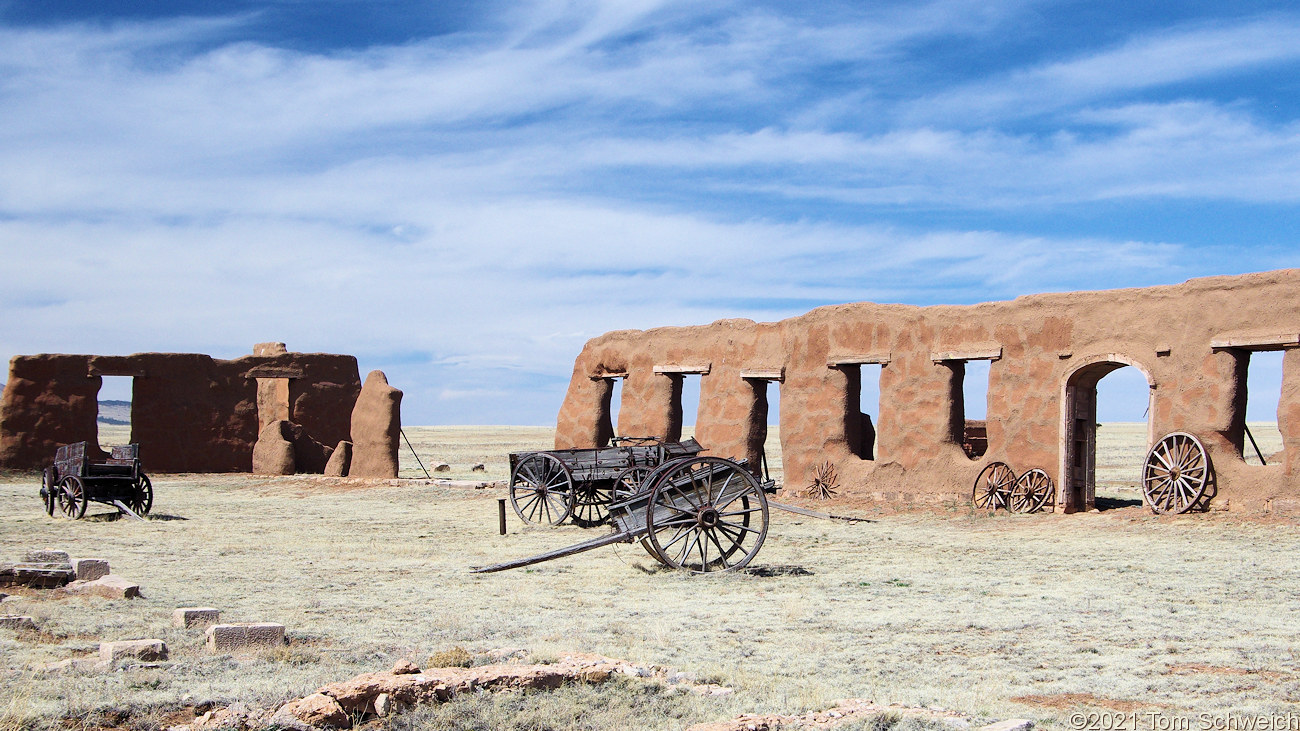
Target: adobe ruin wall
point(1191, 341)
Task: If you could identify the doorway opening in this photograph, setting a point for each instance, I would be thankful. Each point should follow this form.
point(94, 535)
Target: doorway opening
point(113, 420)
point(685, 403)
point(974, 406)
point(1102, 465)
point(272, 401)
point(763, 431)
point(861, 407)
point(611, 399)
point(1263, 442)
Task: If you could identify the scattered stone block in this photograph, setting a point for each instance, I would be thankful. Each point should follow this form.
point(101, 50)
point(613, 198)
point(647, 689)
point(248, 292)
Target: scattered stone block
point(405, 667)
point(195, 616)
point(224, 637)
point(42, 575)
point(89, 569)
point(109, 587)
point(1011, 724)
point(47, 555)
point(317, 710)
point(480, 467)
point(147, 650)
point(16, 621)
point(442, 467)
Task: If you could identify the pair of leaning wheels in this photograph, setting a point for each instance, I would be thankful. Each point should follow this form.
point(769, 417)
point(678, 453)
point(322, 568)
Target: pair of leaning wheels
point(998, 487)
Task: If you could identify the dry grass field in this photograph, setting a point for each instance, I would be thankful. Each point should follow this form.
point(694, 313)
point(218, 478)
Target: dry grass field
point(992, 616)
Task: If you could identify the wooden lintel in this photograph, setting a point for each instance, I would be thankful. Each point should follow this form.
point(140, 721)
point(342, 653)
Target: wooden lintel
point(129, 372)
point(763, 374)
point(835, 361)
point(993, 352)
point(1275, 341)
point(274, 372)
point(672, 370)
point(611, 374)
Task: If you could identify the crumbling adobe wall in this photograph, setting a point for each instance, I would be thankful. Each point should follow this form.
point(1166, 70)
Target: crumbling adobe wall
point(1043, 345)
point(189, 412)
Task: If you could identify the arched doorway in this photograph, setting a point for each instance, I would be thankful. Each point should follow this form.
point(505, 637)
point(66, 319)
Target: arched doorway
point(1077, 490)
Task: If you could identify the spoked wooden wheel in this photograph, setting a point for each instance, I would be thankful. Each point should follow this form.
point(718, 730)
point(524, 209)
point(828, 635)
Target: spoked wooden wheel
point(1175, 474)
point(1031, 492)
point(142, 501)
point(993, 486)
point(71, 497)
point(629, 481)
point(49, 490)
point(706, 514)
point(541, 489)
point(591, 502)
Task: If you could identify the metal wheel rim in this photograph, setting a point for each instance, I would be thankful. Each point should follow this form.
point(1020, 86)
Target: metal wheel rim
point(591, 502)
point(72, 497)
point(706, 505)
point(1175, 474)
point(541, 489)
point(629, 481)
point(1031, 492)
point(993, 486)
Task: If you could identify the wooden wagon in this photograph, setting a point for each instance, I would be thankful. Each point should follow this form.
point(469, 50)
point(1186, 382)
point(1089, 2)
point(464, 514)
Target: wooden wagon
point(73, 482)
point(549, 486)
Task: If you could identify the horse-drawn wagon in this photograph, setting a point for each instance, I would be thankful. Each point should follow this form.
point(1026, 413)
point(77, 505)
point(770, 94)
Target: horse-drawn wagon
point(73, 482)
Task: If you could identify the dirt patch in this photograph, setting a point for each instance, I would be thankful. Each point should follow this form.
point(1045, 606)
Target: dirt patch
point(1193, 668)
point(1062, 701)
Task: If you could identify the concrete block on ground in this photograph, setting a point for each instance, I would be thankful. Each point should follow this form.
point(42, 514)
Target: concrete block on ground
point(109, 587)
point(195, 616)
point(45, 575)
point(47, 555)
point(16, 621)
point(442, 467)
point(224, 637)
point(147, 650)
point(89, 569)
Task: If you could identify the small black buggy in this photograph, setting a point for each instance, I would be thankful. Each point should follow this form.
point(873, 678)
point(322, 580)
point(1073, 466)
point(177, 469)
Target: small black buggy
point(73, 481)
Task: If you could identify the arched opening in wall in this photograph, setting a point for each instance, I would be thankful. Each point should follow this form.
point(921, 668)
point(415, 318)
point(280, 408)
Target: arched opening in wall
point(1107, 436)
point(861, 406)
point(113, 421)
point(1262, 443)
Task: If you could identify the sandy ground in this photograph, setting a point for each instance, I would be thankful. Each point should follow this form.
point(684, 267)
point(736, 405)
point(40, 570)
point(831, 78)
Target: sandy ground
point(993, 616)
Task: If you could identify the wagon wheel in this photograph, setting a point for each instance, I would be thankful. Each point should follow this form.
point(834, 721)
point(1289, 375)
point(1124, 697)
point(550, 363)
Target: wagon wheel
point(706, 514)
point(591, 502)
point(71, 497)
point(541, 489)
point(142, 501)
point(49, 488)
point(1175, 474)
point(629, 481)
point(1031, 492)
point(993, 486)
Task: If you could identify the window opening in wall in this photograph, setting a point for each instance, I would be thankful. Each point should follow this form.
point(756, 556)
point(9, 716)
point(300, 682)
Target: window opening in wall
point(611, 396)
point(1118, 437)
point(114, 419)
point(763, 438)
point(685, 406)
point(1263, 441)
point(863, 402)
point(974, 403)
point(615, 403)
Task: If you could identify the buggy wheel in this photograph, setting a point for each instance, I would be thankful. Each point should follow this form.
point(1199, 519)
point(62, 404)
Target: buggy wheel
point(591, 502)
point(993, 486)
point(71, 497)
point(1176, 473)
point(49, 488)
point(142, 501)
point(1031, 492)
point(706, 514)
point(629, 481)
point(541, 489)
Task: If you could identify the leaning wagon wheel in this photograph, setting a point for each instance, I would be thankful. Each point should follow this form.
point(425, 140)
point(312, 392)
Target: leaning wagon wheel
point(1175, 474)
point(993, 486)
point(142, 501)
point(541, 489)
point(629, 481)
point(1031, 492)
point(49, 490)
point(71, 497)
point(591, 502)
point(706, 514)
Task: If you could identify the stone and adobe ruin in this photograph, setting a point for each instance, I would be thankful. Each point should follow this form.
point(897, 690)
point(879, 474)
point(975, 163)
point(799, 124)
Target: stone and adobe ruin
point(1193, 343)
point(273, 412)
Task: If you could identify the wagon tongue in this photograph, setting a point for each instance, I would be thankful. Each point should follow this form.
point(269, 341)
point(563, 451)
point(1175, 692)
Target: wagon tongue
point(605, 540)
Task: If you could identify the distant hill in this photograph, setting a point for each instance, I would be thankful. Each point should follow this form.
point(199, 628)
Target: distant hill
point(115, 413)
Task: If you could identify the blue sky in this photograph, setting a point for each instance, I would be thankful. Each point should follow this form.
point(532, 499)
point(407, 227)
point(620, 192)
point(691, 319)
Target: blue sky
point(462, 193)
